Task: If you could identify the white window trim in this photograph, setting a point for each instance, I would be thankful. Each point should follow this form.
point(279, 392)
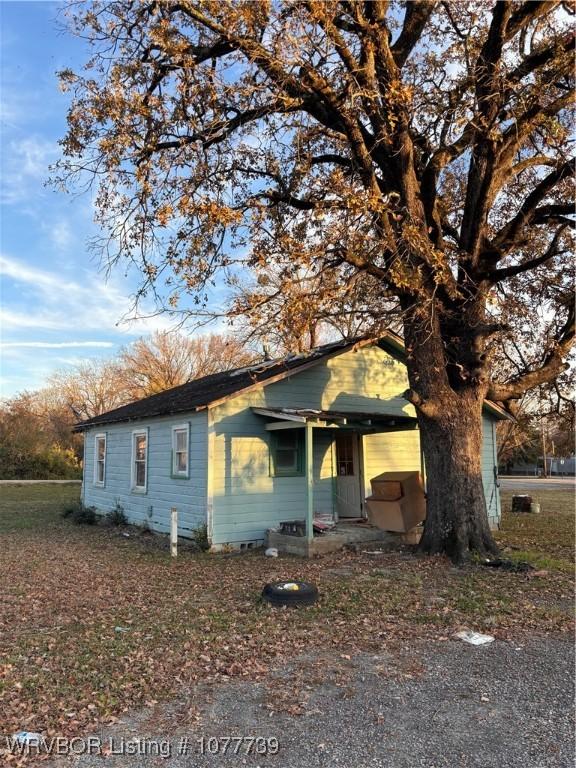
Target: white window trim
point(186, 428)
point(100, 436)
point(138, 488)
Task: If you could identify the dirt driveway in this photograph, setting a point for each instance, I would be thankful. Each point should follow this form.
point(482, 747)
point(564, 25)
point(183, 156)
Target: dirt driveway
point(435, 704)
point(98, 623)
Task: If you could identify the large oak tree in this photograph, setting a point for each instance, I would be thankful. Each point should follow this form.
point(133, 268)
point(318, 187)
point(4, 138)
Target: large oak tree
point(421, 146)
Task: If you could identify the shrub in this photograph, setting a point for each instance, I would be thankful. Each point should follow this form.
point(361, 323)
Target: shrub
point(117, 516)
point(200, 537)
point(80, 514)
point(51, 463)
point(69, 510)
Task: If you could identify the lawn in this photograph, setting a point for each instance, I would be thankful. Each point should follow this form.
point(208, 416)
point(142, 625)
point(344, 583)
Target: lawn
point(545, 540)
point(94, 623)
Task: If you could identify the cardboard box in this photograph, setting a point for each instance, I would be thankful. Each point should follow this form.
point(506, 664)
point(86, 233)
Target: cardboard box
point(389, 490)
point(413, 536)
point(402, 514)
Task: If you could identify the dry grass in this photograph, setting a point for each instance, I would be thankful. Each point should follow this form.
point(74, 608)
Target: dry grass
point(66, 588)
point(545, 540)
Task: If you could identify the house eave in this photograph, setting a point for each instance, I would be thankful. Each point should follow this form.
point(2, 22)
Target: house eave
point(360, 421)
point(389, 342)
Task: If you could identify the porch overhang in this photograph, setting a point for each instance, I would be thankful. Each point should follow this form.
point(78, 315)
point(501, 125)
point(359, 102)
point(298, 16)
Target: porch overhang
point(360, 421)
point(309, 419)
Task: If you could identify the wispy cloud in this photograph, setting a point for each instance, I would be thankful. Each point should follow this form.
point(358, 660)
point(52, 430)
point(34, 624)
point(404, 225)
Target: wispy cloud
point(88, 304)
point(55, 344)
point(61, 235)
point(10, 320)
point(26, 167)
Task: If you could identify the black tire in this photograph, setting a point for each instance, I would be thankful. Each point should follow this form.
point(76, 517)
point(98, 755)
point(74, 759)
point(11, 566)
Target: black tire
point(279, 593)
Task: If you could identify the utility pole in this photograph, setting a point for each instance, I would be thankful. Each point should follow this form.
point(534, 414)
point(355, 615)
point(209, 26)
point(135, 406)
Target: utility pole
point(543, 432)
point(174, 532)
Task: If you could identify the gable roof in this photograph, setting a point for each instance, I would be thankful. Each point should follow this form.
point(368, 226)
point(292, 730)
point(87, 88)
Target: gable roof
point(200, 393)
point(209, 390)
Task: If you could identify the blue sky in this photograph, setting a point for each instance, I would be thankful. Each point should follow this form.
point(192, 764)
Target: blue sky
point(56, 307)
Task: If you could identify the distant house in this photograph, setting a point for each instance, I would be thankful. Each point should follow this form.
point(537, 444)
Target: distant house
point(243, 450)
point(556, 466)
point(562, 465)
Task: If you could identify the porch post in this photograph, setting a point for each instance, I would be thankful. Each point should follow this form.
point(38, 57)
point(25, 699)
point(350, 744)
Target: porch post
point(309, 458)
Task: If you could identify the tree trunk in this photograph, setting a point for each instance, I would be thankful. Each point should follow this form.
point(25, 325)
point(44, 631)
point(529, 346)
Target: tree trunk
point(457, 520)
point(448, 387)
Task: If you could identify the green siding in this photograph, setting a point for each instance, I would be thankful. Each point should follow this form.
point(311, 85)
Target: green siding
point(152, 508)
point(246, 499)
point(489, 463)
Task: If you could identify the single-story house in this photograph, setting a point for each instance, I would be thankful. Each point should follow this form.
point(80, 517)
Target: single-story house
point(241, 451)
point(555, 466)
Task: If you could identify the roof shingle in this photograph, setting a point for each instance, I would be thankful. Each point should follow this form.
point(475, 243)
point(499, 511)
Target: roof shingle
point(200, 393)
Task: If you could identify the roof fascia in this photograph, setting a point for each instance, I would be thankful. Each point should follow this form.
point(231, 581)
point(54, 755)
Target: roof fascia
point(286, 374)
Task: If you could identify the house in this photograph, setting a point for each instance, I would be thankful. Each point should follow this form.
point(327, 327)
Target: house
point(244, 450)
point(556, 466)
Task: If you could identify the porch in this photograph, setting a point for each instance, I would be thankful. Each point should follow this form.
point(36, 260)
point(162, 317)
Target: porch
point(344, 534)
point(334, 439)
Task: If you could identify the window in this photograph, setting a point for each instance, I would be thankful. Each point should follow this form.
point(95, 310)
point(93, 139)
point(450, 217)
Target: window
point(139, 460)
point(180, 451)
point(99, 459)
point(345, 455)
point(287, 451)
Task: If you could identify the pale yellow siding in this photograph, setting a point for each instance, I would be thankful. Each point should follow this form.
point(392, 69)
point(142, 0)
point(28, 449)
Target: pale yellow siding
point(246, 499)
point(398, 451)
point(390, 452)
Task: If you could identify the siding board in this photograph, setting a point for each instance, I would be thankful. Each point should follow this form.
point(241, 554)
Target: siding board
point(152, 508)
point(230, 485)
point(247, 500)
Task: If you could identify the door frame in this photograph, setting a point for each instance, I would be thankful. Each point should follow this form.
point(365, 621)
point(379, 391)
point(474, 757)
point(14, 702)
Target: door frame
point(358, 437)
point(361, 480)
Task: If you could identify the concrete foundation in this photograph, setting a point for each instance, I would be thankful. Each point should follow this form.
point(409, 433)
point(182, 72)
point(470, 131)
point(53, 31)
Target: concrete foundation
point(342, 535)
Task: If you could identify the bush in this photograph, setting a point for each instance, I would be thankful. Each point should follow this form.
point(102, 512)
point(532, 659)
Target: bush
point(84, 515)
point(51, 463)
point(69, 511)
point(117, 516)
point(145, 527)
point(80, 514)
point(200, 537)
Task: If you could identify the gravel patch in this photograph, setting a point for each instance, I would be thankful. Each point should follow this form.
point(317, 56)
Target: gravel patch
point(429, 705)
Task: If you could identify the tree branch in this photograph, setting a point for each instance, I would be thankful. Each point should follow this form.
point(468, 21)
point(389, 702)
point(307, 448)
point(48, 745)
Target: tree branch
point(426, 407)
point(497, 275)
point(483, 160)
point(507, 237)
point(417, 14)
point(220, 130)
point(300, 204)
point(540, 57)
point(553, 365)
point(327, 158)
point(528, 12)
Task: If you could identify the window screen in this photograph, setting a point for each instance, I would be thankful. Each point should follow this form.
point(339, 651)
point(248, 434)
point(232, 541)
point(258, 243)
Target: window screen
point(140, 460)
point(180, 450)
point(100, 460)
point(287, 448)
point(345, 455)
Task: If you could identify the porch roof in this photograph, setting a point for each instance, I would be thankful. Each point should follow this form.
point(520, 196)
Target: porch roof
point(366, 421)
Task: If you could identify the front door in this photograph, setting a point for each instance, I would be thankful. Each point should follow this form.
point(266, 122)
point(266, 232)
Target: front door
point(348, 476)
